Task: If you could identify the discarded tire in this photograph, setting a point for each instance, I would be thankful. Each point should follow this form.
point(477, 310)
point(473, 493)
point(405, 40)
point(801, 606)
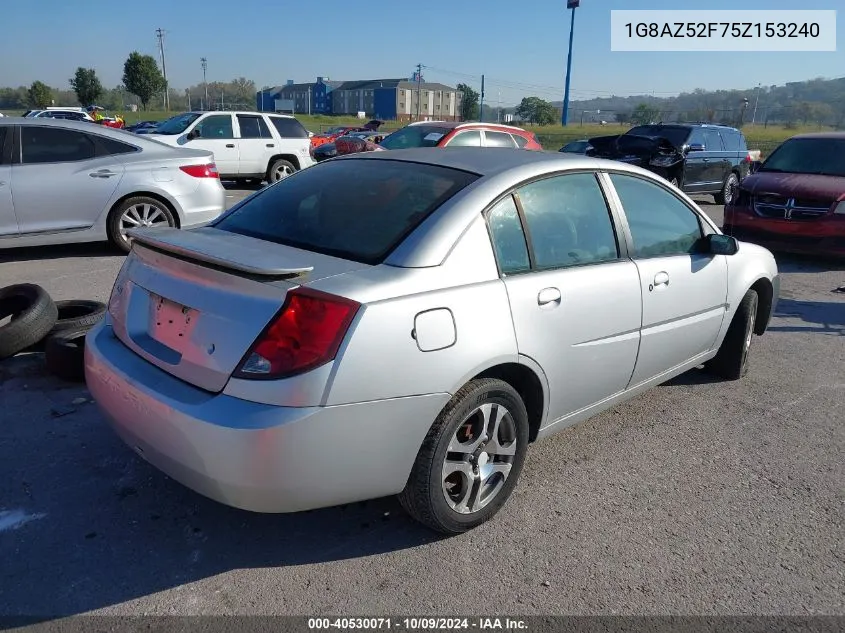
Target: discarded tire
point(64, 354)
point(77, 314)
point(33, 315)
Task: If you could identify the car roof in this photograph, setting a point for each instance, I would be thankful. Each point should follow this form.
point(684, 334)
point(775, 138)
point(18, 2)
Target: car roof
point(820, 135)
point(276, 114)
point(82, 126)
point(486, 161)
point(454, 125)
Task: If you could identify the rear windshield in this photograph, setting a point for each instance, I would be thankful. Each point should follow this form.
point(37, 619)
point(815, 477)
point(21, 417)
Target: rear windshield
point(358, 209)
point(824, 156)
point(677, 135)
point(415, 136)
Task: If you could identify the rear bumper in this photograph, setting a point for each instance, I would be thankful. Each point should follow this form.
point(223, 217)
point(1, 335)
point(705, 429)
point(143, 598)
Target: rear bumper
point(204, 204)
point(824, 236)
point(254, 456)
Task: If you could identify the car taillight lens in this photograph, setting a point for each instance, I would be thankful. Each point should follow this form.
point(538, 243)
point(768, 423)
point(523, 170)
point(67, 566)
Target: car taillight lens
point(306, 333)
point(201, 171)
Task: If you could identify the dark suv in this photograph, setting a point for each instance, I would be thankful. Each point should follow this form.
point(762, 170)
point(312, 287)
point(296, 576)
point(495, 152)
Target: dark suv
point(696, 157)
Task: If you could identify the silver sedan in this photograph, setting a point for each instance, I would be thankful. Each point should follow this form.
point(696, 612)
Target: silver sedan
point(408, 322)
point(65, 181)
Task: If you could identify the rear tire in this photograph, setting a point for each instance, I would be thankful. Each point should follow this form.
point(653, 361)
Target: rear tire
point(137, 212)
point(728, 193)
point(64, 354)
point(33, 315)
point(731, 361)
point(279, 170)
point(460, 479)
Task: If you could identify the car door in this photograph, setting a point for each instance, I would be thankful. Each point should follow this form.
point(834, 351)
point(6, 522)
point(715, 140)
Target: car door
point(695, 165)
point(59, 183)
point(684, 292)
point(574, 296)
point(8, 221)
point(718, 163)
point(217, 135)
point(256, 144)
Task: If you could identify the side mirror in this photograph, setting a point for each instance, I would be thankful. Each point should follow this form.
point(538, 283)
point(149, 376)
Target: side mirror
point(720, 244)
point(195, 133)
point(695, 147)
point(755, 166)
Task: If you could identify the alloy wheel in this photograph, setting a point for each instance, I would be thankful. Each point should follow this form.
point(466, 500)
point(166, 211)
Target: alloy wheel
point(142, 215)
point(479, 458)
point(281, 172)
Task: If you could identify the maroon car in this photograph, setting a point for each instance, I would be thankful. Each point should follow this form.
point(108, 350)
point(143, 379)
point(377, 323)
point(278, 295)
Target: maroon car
point(795, 200)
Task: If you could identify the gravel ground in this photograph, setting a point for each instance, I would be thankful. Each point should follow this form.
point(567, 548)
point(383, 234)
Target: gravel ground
point(699, 497)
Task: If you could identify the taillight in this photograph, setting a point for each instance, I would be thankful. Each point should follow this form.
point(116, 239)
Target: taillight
point(201, 171)
point(306, 333)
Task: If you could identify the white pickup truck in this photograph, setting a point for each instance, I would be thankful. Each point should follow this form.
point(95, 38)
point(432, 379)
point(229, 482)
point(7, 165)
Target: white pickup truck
point(246, 145)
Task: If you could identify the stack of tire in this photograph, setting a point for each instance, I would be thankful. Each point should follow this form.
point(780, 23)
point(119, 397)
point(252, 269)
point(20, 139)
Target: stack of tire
point(57, 328)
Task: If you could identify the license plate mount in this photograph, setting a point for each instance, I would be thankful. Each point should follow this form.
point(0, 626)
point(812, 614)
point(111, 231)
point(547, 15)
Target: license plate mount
point(171, 323)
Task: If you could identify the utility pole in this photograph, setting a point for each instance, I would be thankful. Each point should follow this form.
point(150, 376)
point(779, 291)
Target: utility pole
point(481, 105)
point(499, 111)
point(188, 95)
point(756, 101)
point(204, 62)
point(564, 117)
point(419, 90)
point(160, 36)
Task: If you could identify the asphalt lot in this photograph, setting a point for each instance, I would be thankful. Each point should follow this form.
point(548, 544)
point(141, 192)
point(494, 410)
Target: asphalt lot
point(699, 497)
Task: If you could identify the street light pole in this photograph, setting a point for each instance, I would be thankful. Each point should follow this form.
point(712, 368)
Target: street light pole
point(204, 62)
point(571, 5)
point(756, 101)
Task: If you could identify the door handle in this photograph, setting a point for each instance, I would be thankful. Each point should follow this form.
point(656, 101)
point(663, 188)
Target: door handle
point(547, 296)
point(103, 173)
point(705, 160)
point(270, 145)
point(230, 145)
point(660, 279)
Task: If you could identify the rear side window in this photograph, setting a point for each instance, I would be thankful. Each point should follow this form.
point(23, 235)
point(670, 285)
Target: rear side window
point(253, 127)
point(508, 237)
point(470, 138)
point(730, 140)
point(358, 209)
point(110, 147)
point(289, 128)
point(54, 145)
point(521, 141)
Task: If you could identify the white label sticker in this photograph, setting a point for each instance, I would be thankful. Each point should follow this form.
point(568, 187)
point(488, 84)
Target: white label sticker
point(434, 136)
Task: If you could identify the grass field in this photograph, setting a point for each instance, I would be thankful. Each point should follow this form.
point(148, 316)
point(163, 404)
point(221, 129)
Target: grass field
point(552, 137)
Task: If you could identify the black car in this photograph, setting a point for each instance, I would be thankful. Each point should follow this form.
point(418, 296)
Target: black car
point(324, 151)
point(698, 158)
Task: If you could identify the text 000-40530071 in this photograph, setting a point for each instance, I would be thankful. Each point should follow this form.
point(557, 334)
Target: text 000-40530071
point(733, 30)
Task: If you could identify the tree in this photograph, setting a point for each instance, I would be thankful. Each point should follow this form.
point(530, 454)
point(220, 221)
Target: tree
point(644, 114)
point(244, 90)
point(87, 86)
point(469, 102)
point(40, 95)
point(537, 111)
point(142, 77)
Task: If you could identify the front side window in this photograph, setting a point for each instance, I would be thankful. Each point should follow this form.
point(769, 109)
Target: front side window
point(712, 141)
point(569, 221)
point(508, 237)
point(216, 126)
point(471, 138)
point(355, 209)
point(661, 223)
point(54, 145)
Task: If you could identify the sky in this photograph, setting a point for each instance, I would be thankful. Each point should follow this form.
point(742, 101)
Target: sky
point(521, 48)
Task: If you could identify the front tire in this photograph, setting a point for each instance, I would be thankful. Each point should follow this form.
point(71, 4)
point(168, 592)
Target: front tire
point(470, 460)
point(137, 212)
point(731, 361)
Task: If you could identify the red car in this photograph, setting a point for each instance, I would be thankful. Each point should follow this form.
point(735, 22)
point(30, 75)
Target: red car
point(332, 134)
point(452, 134)
point(794, 201)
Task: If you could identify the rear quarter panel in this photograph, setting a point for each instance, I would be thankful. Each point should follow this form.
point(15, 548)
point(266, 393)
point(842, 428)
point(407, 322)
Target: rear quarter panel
point(381, 358)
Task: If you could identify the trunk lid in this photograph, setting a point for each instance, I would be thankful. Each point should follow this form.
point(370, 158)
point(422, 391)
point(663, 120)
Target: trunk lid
point(193, 302)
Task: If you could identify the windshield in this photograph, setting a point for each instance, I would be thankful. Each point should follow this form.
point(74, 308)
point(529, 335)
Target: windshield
point(677, 135)
point(177, 124)
point(824, 156)
point(358, 209)
point(415, 136)
point(335, 130)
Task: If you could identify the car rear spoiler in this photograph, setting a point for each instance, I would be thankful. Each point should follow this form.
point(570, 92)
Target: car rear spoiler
point(221, 249)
